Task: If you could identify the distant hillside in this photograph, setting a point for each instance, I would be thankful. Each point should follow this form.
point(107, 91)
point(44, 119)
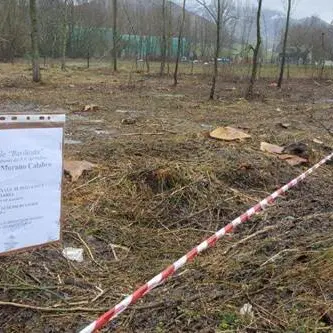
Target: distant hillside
point(144, 17)
point(273, 22)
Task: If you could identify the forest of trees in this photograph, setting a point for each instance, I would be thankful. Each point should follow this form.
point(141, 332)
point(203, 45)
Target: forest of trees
point(81, 28)
point(86, 27)
point(222, 30)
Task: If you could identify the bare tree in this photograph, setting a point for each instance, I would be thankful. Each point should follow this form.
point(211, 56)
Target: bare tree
point(220, 11)
point(307, 42)
point(217, 19)
point(180, 37)
point(64, 35)
point(115, 35)
point(247, 13)
point(217, 49)
point(169, 36)
point(283, 59)
point(14, 35)
point(249, 92)
point(34, 42)
point(322, 60)
point(83, 29)
point(164, 38)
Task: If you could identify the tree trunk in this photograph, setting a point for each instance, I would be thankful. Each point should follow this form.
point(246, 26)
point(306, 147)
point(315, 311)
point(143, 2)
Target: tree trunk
point(115, 36)
point(180, 37)
point(34, 42)
point(147, 63)
point(147, 53)
point(88, 59)
point(64, 37)
point(169, 39)
point(321, 74)
point(283, 60)
point(164, 39)
point(217, 50)
point(249, 93)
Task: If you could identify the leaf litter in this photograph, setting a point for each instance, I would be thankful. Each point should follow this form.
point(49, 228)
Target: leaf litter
point(292, 160)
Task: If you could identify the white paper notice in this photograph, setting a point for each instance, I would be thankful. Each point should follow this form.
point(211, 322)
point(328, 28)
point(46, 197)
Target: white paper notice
point(30, 187)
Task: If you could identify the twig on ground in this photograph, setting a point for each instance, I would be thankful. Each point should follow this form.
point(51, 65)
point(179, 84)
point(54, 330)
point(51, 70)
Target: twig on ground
point(101, 293)
point(244, 240)
point(115, 246)
point(281, 322)
point(51, 309)
point(114, 252)
point(186, 229)
point(273, 258)
point(239, 193)
point(25, 287)
point(83, 185)
point(85, 245)
point(133, 134)
point(34, 287)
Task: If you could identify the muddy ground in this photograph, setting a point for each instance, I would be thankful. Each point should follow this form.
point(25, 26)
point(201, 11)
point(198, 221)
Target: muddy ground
point(161, 186)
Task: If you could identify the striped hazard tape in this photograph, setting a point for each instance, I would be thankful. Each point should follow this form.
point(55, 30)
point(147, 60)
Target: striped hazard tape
point(210, 242)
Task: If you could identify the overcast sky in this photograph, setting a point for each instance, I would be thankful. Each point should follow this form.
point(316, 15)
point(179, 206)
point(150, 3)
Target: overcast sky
point(303, 8)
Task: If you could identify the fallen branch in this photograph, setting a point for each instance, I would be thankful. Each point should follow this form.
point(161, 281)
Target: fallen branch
point(273, 258)
point(50, 309)
point(98, 310)
point(244, 240)
point(132, 134)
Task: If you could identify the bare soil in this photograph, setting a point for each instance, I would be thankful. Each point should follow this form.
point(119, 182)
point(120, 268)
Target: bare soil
point(161, 186)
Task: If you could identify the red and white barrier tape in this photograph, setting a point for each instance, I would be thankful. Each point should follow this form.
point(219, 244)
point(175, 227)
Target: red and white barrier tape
point(210, 242)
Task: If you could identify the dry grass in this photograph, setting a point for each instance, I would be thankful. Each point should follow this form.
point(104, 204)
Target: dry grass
point(153, 197)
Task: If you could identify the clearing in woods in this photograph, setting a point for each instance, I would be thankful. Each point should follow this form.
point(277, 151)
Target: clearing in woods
point(161, 186)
